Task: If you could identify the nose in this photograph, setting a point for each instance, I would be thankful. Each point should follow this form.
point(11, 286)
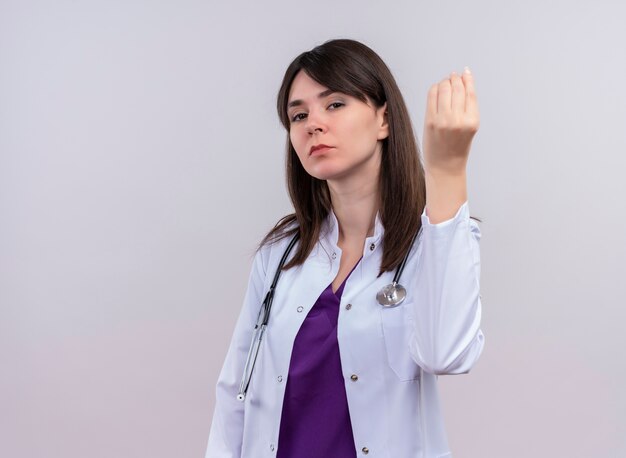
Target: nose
point(314, 123)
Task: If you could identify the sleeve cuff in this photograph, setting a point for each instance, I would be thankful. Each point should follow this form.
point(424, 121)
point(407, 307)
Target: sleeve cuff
point(462, 214)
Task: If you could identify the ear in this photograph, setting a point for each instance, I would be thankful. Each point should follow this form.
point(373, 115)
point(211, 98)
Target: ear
point(382, 122)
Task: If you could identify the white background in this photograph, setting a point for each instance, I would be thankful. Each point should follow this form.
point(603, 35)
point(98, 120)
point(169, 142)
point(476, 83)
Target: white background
point(141, 160)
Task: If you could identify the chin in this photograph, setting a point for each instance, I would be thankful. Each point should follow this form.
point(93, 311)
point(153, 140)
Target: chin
point(327, 173)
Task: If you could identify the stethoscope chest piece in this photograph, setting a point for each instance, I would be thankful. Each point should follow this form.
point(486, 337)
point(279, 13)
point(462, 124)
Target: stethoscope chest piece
point(394, 293)
point(391, 295)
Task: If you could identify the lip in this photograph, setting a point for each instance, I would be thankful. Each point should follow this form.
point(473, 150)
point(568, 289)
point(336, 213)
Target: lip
point(321, 148)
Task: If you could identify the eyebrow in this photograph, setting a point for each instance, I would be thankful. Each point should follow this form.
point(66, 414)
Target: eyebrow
point(295, 103)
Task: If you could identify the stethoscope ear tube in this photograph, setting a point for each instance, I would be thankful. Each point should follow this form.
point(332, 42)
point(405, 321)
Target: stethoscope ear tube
point(257, 336)
point(391, 295)
point(261, 324)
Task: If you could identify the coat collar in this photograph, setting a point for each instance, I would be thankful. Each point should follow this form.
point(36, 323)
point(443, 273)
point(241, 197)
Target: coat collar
point(330, 233)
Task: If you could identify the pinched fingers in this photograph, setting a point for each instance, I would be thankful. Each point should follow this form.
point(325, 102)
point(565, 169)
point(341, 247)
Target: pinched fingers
point(450, 124)
point(458, 94)
point(452, 102)
point(471, 102)
point(444, 97)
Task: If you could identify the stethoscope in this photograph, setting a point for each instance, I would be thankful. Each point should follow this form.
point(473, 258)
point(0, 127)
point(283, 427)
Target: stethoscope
point(389, 296)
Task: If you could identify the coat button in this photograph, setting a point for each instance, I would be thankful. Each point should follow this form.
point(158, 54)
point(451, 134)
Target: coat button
point(334, 255)
point(272, 447)
point(354, 377)
point(280, 378)
point(372, 246)
point(300, 309)
point(348, 306)
point(365, 450)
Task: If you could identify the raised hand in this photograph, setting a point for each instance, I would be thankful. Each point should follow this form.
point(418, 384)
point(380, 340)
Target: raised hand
point(451, 121)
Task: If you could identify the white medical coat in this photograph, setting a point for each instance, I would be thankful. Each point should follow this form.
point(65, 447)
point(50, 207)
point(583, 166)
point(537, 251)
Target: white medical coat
point(395, 353)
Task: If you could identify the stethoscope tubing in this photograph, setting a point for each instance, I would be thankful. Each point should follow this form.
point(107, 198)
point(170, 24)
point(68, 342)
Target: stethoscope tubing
point(261, 324)
point(264, 312)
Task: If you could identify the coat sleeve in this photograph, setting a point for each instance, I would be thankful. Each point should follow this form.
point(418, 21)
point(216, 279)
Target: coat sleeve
point(226, 433)
point(446, 313)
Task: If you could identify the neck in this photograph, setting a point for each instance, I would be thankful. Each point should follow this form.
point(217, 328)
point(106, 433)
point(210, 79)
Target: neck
point(355, 203)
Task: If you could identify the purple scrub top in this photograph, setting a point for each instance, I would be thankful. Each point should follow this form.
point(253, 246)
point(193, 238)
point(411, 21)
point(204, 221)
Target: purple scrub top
point(315, 420)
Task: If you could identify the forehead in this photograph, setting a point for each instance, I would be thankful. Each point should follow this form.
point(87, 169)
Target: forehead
point(304, 86)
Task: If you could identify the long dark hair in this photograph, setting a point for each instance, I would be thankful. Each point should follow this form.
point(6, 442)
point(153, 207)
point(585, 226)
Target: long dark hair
point(350, 67)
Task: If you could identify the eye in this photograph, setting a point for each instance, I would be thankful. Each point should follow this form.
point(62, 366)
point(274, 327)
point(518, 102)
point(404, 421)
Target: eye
point(295, 117)
point(300, 116)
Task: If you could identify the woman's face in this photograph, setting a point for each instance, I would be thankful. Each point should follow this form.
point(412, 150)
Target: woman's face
point(354, 130)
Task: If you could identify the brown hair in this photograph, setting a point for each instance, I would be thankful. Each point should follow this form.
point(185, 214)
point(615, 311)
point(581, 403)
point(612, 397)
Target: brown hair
point(350, 67)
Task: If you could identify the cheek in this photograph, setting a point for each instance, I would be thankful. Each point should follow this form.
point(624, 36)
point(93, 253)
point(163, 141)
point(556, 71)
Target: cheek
point(360, 134)
point(291, 136)
point(296, 140)
point(298, 143)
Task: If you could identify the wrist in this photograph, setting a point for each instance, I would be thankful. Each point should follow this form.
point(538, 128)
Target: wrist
point(445, 172)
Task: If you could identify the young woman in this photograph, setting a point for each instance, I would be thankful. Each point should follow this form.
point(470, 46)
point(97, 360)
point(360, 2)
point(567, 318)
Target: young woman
point(348, 360)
